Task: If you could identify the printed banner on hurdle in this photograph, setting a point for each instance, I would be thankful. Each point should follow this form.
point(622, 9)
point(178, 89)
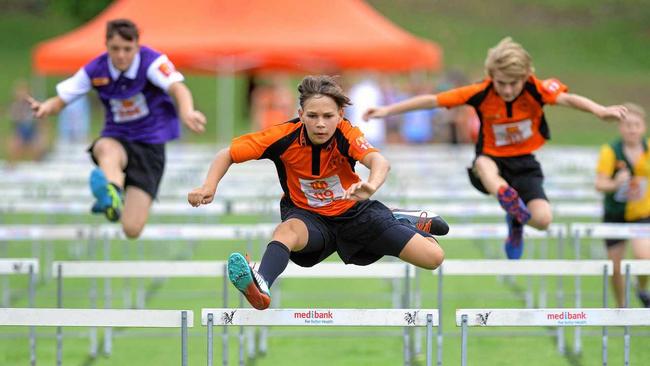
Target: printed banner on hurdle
point(322, 317)
point(554, 317)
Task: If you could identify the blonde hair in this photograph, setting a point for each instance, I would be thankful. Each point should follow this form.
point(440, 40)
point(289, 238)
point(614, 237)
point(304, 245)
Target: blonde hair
point(510, 58)
point(635, 109)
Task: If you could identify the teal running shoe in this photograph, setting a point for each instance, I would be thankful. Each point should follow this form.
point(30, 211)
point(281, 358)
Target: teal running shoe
point(248, 281)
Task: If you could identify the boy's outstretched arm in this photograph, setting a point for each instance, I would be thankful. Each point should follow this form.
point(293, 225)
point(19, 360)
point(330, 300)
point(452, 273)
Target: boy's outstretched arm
point(205, 194)
point(192, 118)
point(379, 168)
point(426, 101)
point(613, 112)
point(49, 107)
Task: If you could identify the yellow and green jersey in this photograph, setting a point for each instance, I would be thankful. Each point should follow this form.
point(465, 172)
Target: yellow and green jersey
point(621, 206)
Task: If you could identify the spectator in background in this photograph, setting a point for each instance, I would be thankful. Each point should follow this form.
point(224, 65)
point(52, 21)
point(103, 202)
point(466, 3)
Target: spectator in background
point(28, 139)
point(367, 93)
point(458, 124)
point(74, 122)
point(418, 125)
point(623, 173)
point(272, 102)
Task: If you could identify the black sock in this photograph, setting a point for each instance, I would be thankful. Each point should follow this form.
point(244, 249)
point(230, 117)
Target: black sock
point(274, 261)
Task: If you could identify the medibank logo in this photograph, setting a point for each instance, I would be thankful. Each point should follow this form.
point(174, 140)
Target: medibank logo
point(567, 315)
point(313, 314)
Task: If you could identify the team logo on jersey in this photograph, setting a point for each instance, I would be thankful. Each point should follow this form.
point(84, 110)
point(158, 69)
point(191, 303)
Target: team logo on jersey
point(551, 85)
point(100, 81)
point(167, 68)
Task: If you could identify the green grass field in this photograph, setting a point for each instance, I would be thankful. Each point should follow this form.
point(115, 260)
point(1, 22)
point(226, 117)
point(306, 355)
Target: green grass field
point(600, 50)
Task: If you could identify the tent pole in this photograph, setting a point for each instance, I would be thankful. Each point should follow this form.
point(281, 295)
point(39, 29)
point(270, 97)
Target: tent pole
point(226, 101)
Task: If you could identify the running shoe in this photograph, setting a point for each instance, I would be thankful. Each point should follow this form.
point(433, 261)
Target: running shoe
point(514, 245)
point(108, 197)
point(423, 220)
point(513, 204)
point(248, 281)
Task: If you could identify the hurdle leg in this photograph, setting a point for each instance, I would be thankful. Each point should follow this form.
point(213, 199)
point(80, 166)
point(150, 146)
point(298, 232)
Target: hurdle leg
point(440, 270)
point(626, 336)
point(605, 307)
point(32, 330)
point(429, 338)
point(405, 301)
point(210, 338)
point(184, 338)
point(59, 304)
point(577, 345)
point(108, 332)
point(6, 293)
point(560, 297)
point(224, 334)
point(242, 357)
point(93, 300)
point(140, 295)
point(463, 340)
point(417, 301)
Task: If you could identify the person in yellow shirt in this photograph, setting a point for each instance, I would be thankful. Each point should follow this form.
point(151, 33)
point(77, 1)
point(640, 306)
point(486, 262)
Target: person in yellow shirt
point(622, 174)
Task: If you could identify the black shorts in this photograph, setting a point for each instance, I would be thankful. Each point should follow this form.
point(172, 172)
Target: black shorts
point(523, 173)
point(145, 164)
point(612, 242)
point(361, 235)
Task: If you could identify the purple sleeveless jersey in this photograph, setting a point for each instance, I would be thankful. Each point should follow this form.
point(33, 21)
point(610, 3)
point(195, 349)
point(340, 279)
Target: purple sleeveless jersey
point(136, 110)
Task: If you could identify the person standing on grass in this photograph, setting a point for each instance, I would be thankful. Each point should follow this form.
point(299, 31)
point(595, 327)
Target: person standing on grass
point(509, 103)
point(623, 173)
point(144, 97)
point(326, 206)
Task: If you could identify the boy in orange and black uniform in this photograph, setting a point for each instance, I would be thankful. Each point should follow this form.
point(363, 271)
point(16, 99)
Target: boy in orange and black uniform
point(326, 207)
point(509, 105)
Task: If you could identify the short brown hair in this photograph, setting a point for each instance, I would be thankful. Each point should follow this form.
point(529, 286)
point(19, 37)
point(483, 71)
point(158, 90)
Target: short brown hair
point(510, 58)
point(122, 27)
point(313, 85)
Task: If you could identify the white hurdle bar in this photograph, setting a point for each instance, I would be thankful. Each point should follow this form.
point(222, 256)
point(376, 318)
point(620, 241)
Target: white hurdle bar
point(100, 318)
point(533, 267)
point(320, 318)
point(130, 269)
point(559, 317)
point(15, 266)
point(629, 268)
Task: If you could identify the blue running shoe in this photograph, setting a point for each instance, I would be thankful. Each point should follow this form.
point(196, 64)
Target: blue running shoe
point(513, 204)
point(109, 198)
point(514, 245)
point(248, 281)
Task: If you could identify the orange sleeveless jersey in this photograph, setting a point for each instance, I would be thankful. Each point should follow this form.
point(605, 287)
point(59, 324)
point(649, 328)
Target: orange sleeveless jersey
point(507, 128)
point(313, 177)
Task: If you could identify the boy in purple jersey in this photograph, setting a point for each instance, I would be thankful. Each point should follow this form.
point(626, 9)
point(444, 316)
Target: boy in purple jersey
point(136, 85)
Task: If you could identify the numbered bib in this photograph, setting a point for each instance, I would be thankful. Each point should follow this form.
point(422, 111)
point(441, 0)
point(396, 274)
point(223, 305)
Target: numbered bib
point(512, 133)
point(322, 192)
point(130, 109)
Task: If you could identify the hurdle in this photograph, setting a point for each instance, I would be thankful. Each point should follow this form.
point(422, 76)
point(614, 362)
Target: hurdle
point(558, 317)
point(537, 267)
point(130, 269)
point(319, 318)
point(610, 230)
point(326, 270)
point(100, 318)
point(16, 266)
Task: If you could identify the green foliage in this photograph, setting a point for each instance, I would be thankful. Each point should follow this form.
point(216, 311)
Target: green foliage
point(79, 10)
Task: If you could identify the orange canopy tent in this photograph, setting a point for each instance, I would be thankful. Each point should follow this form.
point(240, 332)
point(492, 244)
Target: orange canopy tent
point(250, 35)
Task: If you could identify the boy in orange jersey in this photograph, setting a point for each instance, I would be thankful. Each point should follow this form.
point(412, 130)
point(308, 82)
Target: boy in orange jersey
point(326, 206)
point(509, 105)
